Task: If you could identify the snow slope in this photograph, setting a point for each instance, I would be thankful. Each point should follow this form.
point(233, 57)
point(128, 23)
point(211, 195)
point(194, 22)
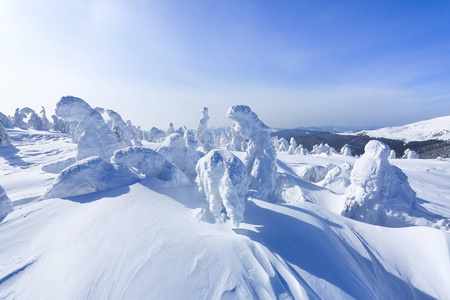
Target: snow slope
point(437, 129)
point(147, 241)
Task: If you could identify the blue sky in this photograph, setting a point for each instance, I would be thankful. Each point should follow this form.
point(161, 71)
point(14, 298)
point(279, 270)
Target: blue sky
point(296, 63)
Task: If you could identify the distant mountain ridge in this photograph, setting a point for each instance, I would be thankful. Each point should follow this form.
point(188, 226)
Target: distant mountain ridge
point(433, 129)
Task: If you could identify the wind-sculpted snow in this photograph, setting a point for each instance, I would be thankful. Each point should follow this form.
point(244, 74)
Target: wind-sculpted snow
point(97, 139)
point(260, 156)
point(151, 163)
point(222, 179)
point(6, 206)
point(174, 149)
point(90, 175)
point(379, 192)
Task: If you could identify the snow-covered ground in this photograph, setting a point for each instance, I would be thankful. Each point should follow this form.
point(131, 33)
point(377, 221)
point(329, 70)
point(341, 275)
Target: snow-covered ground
point(154, 241)
point(433, 129)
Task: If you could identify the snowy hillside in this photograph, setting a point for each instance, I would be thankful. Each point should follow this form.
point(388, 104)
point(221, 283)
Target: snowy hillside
point(96, 209)
point(438, 129)
point(149, 240)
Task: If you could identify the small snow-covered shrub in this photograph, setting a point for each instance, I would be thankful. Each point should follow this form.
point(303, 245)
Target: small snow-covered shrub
point(90, 175)
point(379, 192)
point(222, 179)
point(6, 206)
point(392, 154)
point(410, 154)
point(301, 150)
point(151, 163)
point(260, 156)
point(332, 151)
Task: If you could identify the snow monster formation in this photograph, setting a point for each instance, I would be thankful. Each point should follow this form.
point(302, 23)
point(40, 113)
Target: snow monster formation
point(4, 136)
point(410, 154)
point(379, 192)
point(97, 139)
point(6, 206)
point(222, 179)
point(260, 157)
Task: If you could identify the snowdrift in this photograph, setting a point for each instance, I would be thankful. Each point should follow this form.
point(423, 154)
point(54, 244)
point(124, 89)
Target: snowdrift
point(90, 175)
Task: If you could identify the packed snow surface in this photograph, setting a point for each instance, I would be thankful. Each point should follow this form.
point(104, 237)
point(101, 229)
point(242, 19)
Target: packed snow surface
point(151, 241)
point(434, 129)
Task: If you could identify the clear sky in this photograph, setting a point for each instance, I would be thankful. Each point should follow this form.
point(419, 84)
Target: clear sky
point(296, 63)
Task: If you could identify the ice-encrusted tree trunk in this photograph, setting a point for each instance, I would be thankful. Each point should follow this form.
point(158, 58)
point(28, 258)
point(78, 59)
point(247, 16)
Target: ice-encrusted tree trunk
point(260, 157)
point(379, 192)
point(292, 146)
point(204, 137)
point(4, 136)
point(222, 179)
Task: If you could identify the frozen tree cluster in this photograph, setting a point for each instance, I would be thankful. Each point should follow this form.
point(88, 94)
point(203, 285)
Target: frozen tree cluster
point(260, 156)
point(222, 179)
point(4, 136)
point(379, 192)
point(345, 150)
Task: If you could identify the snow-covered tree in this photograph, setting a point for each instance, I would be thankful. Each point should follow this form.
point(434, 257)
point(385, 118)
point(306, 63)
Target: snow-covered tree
point(337, 178)
point(46, 125)
point(34, 121)
point(7, 123)
point(192, 155)
point(345, 150)
point(6, 206)
point(155, 135)
point(283, 145)
point(260, 157)
point(319, 149)
point(235, 143)
point(175, 150)
point(4, 136)
point(276, 142)
point(222, 179)
point(379, 192)
point(97, 139)
point(301, 150)
point(58, 124)
point(170, 130)
point(204, 137)
point(292, 146)
point(18, 119)
point(123, 132)
point(392, 154)
point(223, 139)
point(410, 154)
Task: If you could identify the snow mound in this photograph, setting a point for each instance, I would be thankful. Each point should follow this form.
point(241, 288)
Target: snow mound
point(97, 139)
point(57, 166)
point(260, 156)
point(151, 163)
point(379, 193)
point(90, 175)
point(410, 154)
point(6, 206)
point(222, 179)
